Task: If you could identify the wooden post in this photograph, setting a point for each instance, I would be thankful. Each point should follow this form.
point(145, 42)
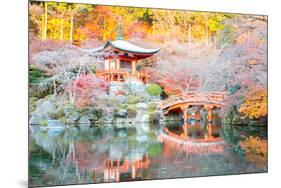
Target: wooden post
point(209, 130)
point(209, 114)
point(146, 77)
point(127, 75)
point(117, 64)
point(185, 129)
point(185, 115)
point(197, 115)
point(133, 67)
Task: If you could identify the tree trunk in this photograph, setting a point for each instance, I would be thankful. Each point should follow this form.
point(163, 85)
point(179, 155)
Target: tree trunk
point(189, 40)
point(71, 29)
point(45, 21)
point(207, 34)
point(62, 27)
point(189, 34)
point(42, 26)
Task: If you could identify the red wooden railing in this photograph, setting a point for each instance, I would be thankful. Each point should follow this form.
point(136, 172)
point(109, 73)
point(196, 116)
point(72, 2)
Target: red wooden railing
point(140, 75)
point(193, 97)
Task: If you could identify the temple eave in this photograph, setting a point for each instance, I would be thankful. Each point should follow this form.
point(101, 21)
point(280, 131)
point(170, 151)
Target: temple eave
point(125, 46)
point(140, 53)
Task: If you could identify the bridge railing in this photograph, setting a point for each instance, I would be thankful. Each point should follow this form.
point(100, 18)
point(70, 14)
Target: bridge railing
point(213, 97)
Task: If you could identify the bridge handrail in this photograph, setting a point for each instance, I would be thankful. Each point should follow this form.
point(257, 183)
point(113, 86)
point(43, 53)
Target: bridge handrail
point(214, 97)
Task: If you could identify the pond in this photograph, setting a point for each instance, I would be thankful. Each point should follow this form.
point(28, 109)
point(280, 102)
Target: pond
point(106, 153)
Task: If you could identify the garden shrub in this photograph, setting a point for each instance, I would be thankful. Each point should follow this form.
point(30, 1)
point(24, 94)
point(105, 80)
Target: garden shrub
point(35, 75)
point(131, 111)
point(154, 90)
point(131, 99)
point(32, 103)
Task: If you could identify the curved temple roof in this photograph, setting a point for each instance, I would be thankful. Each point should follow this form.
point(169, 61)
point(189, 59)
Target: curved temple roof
point(129, 47)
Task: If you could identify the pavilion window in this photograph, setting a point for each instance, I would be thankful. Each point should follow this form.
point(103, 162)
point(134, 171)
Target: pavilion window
point(125, 65)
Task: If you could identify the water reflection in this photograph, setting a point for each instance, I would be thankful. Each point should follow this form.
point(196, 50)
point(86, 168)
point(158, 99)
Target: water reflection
point(193, 137)
point(110, 154)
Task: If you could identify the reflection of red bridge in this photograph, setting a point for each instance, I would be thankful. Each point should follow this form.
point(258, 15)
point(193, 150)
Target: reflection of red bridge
point(184, 101)
point(209, 144)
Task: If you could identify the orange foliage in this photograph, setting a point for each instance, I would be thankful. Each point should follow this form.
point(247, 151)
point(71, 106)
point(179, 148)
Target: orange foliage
point(255, 104)
point(255, 150)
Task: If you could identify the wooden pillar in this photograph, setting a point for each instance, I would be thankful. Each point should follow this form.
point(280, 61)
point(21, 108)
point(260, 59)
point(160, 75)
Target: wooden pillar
point(185, 115)
point(117, 64)
point(197, 115)
point(209, 128)
point(185, 129)
point(209, 114)
point(146, 78)
point(133, 67)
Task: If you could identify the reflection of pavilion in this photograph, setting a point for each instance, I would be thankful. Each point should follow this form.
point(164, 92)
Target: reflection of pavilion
point(114, 168)
point(103, 167)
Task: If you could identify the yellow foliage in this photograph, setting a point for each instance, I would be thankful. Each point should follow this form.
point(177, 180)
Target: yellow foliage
point(255, 150)
point(101, 22)
point(255, 104)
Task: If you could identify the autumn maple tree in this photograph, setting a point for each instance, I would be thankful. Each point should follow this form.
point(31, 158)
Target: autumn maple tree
point(87, 88)
point(255, 105)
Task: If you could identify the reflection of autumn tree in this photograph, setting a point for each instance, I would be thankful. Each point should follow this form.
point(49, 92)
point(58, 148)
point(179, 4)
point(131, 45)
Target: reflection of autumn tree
point(255, 105)
point(255, 150)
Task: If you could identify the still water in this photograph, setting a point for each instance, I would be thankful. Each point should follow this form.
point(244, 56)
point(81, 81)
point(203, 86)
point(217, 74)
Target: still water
point(143, 151)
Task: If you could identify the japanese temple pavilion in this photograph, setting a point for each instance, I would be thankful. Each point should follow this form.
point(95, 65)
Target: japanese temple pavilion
point(121, 58)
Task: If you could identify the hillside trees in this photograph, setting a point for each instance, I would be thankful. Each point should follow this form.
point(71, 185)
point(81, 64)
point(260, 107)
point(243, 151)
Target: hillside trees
point(52, 20)
point(79, 22)
point(63, 66)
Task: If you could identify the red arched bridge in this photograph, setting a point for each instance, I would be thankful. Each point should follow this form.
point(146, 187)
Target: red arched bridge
point(184, 101)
